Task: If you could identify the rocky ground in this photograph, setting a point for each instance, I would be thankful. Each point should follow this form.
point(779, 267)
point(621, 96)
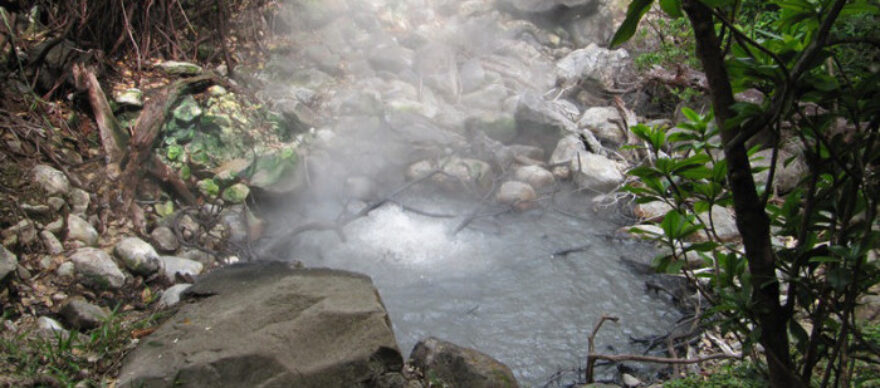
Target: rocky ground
point(503, 98)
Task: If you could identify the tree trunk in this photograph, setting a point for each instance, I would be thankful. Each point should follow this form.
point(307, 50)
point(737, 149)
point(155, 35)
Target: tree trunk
point(751, 220)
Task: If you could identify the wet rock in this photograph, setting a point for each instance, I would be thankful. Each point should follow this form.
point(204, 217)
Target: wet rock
point(8, 262)
point(459, 366)
point(79, 201)
point(541, 6)
point(323, 58)
point(515, 193)
point(22, 233)
point(595, 173)
point(52, 181)
point(97, 269)
point(536, 176)
point(471, 173)
point(266, 324)
point(164, 239)
point(53, 246)
point(606, 123)
point(82, 315)
point(173, 265)
point(79, 229)
point(137, 255)
point(171, 296)
point(594, 65)
point(236, 193)
point(179, 68)
point(130, 97)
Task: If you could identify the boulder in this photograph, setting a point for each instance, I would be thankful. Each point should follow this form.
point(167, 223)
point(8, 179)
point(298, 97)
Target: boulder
point(536, 176)
point(97, 269)
point(79, 229)
point(267, 324)
point(171, 296)
point(8, 262)
point(82, 315)
point(541, 122)
point(593, 65)
point(52, 181)
point(138, 256)
point(606, 123)
point(173, 265)
point(595, 173)
point(458, 366)
point(515, 193)
point(179, 68)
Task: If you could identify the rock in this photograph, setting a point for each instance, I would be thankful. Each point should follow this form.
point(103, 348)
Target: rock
point(53, 246)
point(65, 270)
point(360, 187)
point(607, 124)
point(173, 265)
point(536, 176)
point(651, 211)
point(52, 181)
point(164, 239)
point(22, 233)
point(79, 229)
point(630, 380)
point(498, 126)
point(187, 110)
point(541, 122)
point(594, 65)
point(55, 226)
point(566, 150)
point(49, 325)
point(8, 262)
point(266, 324)
point(471, 173)
point(171, 296)
point(236, 193)
point(473, 75)
point(647, 231)
point(597, 28)
point(35, 210)
point(724, 222)
point(460, 367)
point(595, 173)
point(216, 91)
point(179, 68)
point(130, 97)
point(97, 269)
point(205, 258)
point(83, 315)
point(541, 6)
point(515, 193)
point(391, 58)
point(79, 201)
point(55, 203)
point(789, 169)
point(137, 255)
point(490, 98)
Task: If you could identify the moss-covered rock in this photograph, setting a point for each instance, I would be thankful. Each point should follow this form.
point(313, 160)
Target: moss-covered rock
point(236, 193)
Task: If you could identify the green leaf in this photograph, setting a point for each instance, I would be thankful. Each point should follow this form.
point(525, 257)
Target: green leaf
point(672, 8)
point(174, 152)
point(637, 9)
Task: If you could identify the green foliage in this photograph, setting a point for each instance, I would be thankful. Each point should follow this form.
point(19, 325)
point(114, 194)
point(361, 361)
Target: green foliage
point(743, 375)
point(674, 47)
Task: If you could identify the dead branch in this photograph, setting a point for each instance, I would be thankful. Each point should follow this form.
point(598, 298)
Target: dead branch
point(113, 138)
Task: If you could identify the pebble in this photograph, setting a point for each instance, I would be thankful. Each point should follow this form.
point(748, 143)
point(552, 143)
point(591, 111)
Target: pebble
point(79, 229)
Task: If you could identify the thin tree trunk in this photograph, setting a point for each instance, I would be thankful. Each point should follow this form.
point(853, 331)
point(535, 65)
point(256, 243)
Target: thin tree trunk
point(751, 220)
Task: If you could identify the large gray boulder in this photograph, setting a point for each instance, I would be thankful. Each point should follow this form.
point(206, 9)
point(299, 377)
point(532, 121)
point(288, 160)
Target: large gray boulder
point(269, 325)
point(457, 366)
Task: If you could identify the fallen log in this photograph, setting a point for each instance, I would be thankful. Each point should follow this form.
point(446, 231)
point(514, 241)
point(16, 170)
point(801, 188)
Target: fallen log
point(114, 139)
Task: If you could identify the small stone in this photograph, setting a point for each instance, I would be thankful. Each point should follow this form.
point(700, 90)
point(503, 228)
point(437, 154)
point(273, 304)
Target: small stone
point(216, 91)
point(130, 97)
point(35, 210)
point(164, 239)
point(50, 325)
point(24, 233)
point(56, 203)
point(137, 255)
point(8, 262)
point(79, 200)
point(45, 262)
point(536, 176)
point(97, 268)
point(65, 270)
point(236, 193)
point(177, 265)
point(53, 246)
point(516, 193)
point(55, 226)
point(651, 211)
point(83, 315)
point(180, 68)
point(171, 296)
point(51, 180)
point(188, 110)
point(79, 229)
point(630, 380)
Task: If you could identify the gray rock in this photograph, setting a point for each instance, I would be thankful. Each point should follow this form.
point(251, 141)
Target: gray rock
point(55, 203)
point(651, 211)
point(137, 255)
point(66, 270)
point(173, 265)
point(79, 229)
point(8, 262)
point(49, 325)
point(536, 176)
point(83, 315)
point(594, 65)
point(266, 324)
point(22, 233)
point(490, 98)
point(53, 246)
point(724, 222)
point(595, 173)
point(607, 124)
point(391, 58)
point(131, 97)
point(52, 181)
point(459, 366)
point(541, 122)
point(497, 125)
point(180, 68)
point(360, 187)
point(789, 169)
point(79, 201)
point(203, 257)
point(541, 6)
point(597, 28)
point(516, 193)
point(566, 150)
point(55, 226)
point(97, 269)
point(171, 296)
point(164, 239)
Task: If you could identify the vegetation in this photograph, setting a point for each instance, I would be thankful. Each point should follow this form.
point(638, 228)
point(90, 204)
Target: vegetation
point(795, 281)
